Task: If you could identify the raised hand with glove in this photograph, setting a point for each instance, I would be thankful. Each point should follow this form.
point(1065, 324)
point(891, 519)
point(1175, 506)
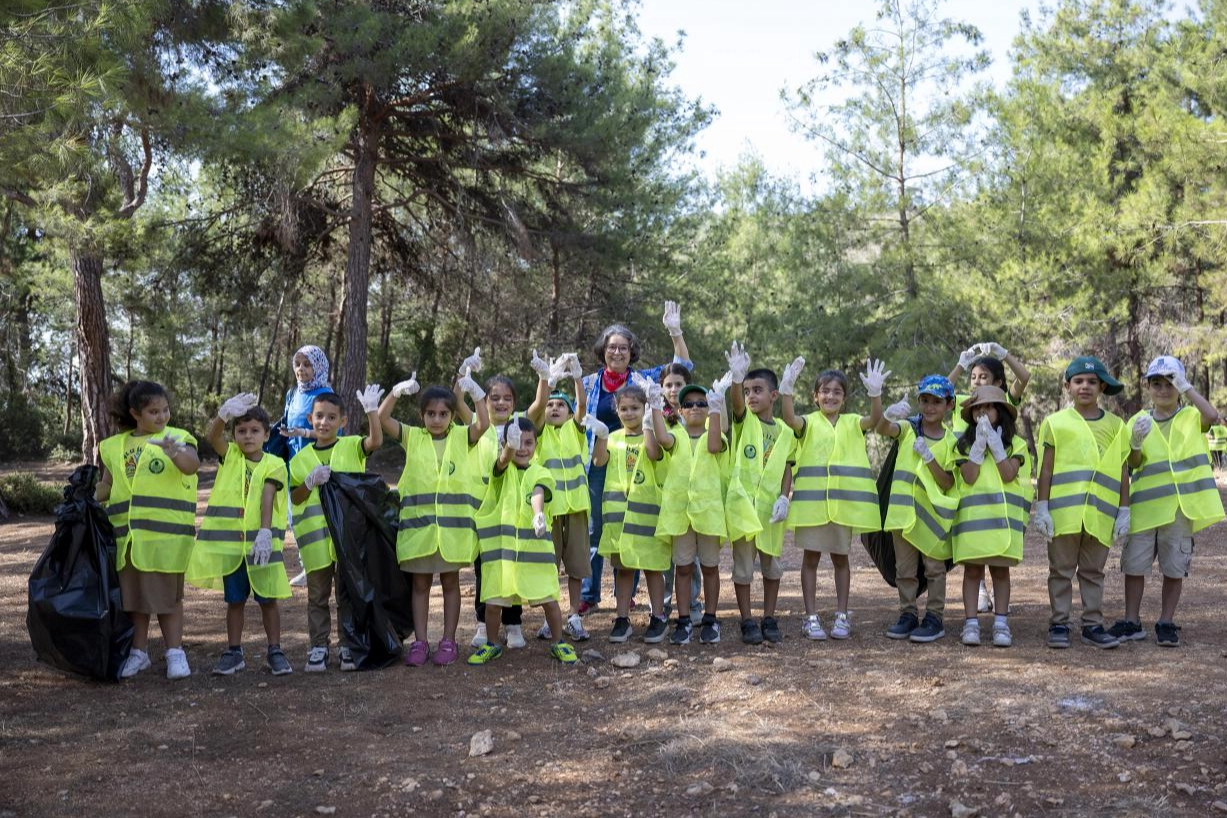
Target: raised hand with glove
point(595, 426)
point(897, 412)
point(470, 364)
point(544, 368)
point(788, 381)
point(470, 387)
point(672, 319)
point(874, 377)
point(370, 397)
point(514, 436)
point(237, 406)
point(739, 362)
point(406, 388)
point(968, 355)
point(1141, 428)
point(996, 445)
point(980, 443)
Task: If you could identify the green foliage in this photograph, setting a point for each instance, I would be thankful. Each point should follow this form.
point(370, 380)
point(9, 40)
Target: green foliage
point(23, 493)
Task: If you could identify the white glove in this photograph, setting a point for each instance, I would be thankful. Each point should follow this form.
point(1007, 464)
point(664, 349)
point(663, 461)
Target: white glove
point(739, 362)
point(976, 453)
point(370, 397)
point(544, 368)
point(1141, 428)
point(470, 386)
point(922, 448)
point(539, 526)
point(673, 318)
point(237, 406)
point(471, 363)
point(994, 349)
point(788, 381)
point(514, 436)
point(897, 411)
point(565, 366)
point(317, 477)
point(968, 355)
point(262, 548)
point(656, 397)
point(1181, 383)
point(1043, 520)
point(406, 388)
point(874, 377)
point(715, 402)
point(721, 386)
point(574, 370)
point(172, 446)
point(779, 511)
point(1121, 529)
point(996, 445)
point(595, 426)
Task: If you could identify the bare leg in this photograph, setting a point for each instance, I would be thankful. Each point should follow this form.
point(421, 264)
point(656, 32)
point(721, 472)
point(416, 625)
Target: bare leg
point(494, 618)
point(172, 627)
point(1001, 589)
point(656, 590)
point(553, 618)
point(140, 630)
point(711, 588)
point(270, 614)
point(574, 593)
point(843, 581)
point(809, 580)
point(743, 599)
point(681, 591)
point(973, 575)
point(421, 605)
point(623, 581)
point(1134, 587)
point(1171, 597)
point(451, 603)
point(771, 591)
point(234, 623)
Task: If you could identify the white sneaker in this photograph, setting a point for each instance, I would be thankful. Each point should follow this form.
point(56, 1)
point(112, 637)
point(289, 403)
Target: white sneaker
point(515, 637)
point(544, 632)
point(176, 664)
point(300, 580)
point(346, 660)
point(842, 629)
point(575, 628)
point(137, 661)
point(985, 603)
point(479, 635)
point(971, 632)
point(812, 628)
point(317, 660)
point(1002, 638)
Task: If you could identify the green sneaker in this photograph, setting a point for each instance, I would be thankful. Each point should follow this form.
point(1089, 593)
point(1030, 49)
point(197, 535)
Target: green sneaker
point(564, 653)
point(486, 653)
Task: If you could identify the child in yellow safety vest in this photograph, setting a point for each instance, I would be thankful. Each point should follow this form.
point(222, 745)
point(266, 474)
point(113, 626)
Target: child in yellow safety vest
point(1216, 438)
point(440, 491)
point(310, 469)
point(834, 494)
point(1172, 495)
point(513, 534)
point(631, 507)
point(921, 506)
point(994, 504)
point(755, 507)
point(562, 449)
point(240, 546)
point(148, 487)
point(1082, 499)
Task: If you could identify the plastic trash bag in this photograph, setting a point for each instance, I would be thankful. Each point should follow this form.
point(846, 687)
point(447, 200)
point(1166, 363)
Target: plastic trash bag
point(76, 618)
point(362, 513)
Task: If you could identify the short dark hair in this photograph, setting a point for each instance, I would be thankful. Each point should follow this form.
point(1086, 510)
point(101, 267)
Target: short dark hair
point(134, 396)
point(629, 390)
point(598, 349)
point(328, 397)
point(256, 413)
point(495, 380)
point(764, 374)
point(828, 375)
point(433, 393)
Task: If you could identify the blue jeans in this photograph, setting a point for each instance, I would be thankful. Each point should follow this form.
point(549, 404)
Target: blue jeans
point(590, 589)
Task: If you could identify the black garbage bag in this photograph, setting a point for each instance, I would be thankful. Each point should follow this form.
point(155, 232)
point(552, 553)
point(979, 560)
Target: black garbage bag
point(76, 618)
point(362, 512)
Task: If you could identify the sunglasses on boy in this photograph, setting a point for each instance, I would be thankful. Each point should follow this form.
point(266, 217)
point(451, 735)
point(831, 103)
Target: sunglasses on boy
point(694, 404)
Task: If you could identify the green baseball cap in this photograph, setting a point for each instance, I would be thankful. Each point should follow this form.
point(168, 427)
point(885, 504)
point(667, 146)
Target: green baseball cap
point(689, 389)
point(1089, 364)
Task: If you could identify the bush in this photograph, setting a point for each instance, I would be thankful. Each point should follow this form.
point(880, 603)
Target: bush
point(25, 494)
point(62, 454)
point(21, 429)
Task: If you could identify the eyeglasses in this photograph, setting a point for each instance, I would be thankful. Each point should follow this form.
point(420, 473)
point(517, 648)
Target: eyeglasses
point(695, 404)
point(616, 349)
point(831, 393)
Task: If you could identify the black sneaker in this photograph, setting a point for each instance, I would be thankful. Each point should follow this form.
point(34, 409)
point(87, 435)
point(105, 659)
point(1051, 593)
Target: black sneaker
point(751, 634)
point(709, 633)
point(1124, 630)
point(904, 627)
point(230, 663)
point(1058, 636)
point(621, 630)
point(657, 628)
point(1097, 636)
point(278, 665)
point(930, 629)
point(1167, 634)
point(681, 631)
point(771, 630)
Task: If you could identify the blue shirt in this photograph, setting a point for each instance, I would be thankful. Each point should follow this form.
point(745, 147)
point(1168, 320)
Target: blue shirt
point(601, 403)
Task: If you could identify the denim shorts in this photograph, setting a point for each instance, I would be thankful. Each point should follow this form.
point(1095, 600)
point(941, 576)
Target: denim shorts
point(237, 586)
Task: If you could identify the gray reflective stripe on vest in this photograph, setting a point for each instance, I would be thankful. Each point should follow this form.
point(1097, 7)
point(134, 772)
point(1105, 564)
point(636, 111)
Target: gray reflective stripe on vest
point(1076, 476)
point(567, 485)
point(437, 499)
point(229, 512)
point(816, 496)
point(273, 558)
point(512, 555)
point(1151, 469)
point(615, 517)
point(1109, 483)
point(563, 463)
point(642, 508)
point(1204, 484)
point(614, 497)
point(851, 471)
point(117, 508)
point(853, 496)
point(1069, 501)
point(985, 499)
point(902, 500)
point(1191, 463)
point(639, 530)
point(164, 503)
point(1102, 506)
point(811, 471)
point(923, 516)
point(1146, 495)
point(318, 535)
point(905, 476)
point(432, 519)
point(945, 513)
point(313, 510)
point(160, 527)
point(971, 526)
point(219, 535)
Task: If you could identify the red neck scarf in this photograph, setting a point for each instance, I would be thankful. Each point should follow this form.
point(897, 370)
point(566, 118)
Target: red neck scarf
point(611, 381)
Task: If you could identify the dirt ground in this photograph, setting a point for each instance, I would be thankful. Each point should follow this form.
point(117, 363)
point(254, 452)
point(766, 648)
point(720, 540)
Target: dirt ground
point(863, 727)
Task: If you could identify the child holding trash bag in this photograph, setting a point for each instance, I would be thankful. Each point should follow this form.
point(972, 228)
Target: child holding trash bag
point(309, 470)
point(149, 488)
point(239, 548)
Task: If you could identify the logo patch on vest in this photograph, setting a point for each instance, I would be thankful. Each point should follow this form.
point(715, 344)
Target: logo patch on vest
point(451, 467)
point(750, 452)
point(639, 478)
point(157, 467)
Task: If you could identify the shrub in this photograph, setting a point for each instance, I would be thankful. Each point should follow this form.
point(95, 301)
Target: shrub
point(23, 493)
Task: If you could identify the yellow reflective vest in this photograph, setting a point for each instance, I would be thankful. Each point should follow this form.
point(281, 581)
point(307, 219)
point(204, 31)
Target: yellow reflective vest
point(1175, 474)
point(315, 547)
point(832, 480)
point(630, 508)
point(563, 450)
point(438, 497)
point(154, 513)
point(516, 564)
point(1085, 487)
point(918, 509)
point(231, 522)
point(693, 492)
point(755, 483)
point(992, 515)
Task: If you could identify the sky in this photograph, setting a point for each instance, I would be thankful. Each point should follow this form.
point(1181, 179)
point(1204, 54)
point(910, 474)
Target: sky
point(737, 55)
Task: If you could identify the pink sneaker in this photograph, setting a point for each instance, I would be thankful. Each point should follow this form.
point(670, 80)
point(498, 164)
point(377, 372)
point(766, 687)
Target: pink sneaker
point(417, 655)
point(446, 653)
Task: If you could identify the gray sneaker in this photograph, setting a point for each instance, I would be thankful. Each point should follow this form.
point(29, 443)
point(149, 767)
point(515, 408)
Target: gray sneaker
point(709, 631)
point(278, 665)
point(230, 663)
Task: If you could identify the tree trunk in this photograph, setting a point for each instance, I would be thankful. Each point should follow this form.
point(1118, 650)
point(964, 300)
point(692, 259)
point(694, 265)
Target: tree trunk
point(272, 344)
point(94, 346)
point(68, 393)
point(352, 377)
point(555, 292)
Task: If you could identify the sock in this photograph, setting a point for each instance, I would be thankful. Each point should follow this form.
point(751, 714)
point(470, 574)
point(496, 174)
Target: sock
point(239, 648)
point(971, 619)
point(999, 619)
point(274, 646)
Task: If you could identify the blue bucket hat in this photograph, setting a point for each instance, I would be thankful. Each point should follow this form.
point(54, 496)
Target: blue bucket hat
point(939, 386)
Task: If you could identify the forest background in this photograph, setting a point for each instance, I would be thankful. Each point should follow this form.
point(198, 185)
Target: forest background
point(192, 190)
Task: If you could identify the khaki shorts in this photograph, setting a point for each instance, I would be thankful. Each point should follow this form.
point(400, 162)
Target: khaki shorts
point(431, 564)
point(993, 562)
point(744, 552)
point(831, 538)
point(692, 544)
point(507, 603)
point(570, 533)
point(148, 592)
point(1172, 544)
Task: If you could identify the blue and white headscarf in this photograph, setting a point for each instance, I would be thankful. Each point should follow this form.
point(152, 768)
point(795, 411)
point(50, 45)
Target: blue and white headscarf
point(319, 361)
